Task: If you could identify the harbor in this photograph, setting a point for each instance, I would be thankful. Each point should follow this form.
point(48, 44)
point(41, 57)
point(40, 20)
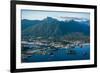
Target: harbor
point(41, 51)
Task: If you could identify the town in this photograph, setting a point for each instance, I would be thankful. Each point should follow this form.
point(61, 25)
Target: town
point(47, 47)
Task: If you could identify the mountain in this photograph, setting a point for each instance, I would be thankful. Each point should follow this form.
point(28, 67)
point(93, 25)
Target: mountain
point(27, 23)
point(51, 27)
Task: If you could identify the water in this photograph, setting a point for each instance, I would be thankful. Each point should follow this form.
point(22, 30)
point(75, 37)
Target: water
point(61, 54)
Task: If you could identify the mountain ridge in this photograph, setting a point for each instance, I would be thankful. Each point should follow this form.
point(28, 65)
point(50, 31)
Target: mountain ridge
point(51, 27)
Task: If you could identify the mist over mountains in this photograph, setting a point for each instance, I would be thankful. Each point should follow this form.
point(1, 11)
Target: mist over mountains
point(51, 27)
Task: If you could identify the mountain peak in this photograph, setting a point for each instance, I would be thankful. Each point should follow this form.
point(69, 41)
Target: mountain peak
point(50, 19)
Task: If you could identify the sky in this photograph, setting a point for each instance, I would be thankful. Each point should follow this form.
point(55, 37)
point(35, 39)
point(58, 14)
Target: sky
point(40, 15)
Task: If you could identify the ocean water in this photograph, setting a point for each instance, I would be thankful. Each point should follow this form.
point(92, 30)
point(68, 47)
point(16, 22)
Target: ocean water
point(61, 54)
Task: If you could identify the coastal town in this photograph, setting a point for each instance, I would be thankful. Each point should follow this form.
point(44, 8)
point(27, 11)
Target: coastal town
point(47, 47)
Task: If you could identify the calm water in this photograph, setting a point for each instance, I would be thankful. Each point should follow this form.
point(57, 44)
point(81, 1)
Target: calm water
point(61, 54)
